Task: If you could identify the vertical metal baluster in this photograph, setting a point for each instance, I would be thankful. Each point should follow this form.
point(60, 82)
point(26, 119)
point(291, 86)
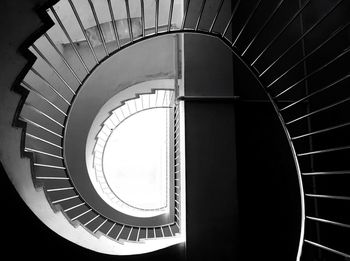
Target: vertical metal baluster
point(334, 34)
point(200, 14)
point(347, 50)
point(267, 21)
point(231, 18)
point(302, 37)
point(127, 104)
point(69, 39)
point(216, 16)
point(129, 20)
point(281, 32)
point(34, 108)
point(185, 14)
point(156, 99)
point(156, 19)
point(115, 29)
point(171, 8)
point(50, 85)
point(53, 68)
point(135, 105)
point(99, 29)
point(138, 234)
point(165, 97)
point(63, 58)
point(143, 18)
point(171, 98)
point(31, 89)
point(246, 22)
point(83, 30)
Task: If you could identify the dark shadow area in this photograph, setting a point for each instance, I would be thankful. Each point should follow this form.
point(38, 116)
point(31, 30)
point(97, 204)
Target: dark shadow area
point(243, 199)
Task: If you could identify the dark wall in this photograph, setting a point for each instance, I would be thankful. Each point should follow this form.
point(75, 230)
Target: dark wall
point(242, 189)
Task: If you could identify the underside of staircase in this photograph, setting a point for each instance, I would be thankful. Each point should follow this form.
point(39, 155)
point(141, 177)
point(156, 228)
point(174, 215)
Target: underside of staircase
point(296, 52)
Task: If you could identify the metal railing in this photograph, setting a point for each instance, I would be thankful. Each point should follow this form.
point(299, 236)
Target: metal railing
point(253, 53)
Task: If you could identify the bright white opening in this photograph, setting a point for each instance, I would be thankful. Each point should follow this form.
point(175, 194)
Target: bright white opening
point(135, 159)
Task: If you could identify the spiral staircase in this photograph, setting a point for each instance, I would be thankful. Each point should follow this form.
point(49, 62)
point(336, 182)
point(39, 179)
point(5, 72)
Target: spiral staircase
point(298, 52)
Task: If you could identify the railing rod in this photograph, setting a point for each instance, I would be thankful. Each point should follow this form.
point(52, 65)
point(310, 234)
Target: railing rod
point(115, 29)
point(267, 21)
point(43, 140)
point(53, 178)
point(328, 222)
point(247, 22)
point(314, 72)
point(185, 15)
point(69, 39)
point(31, 89)
point(129, 20)
point(143, 18)
point(171, 231)
point(82, 214)
point(171, 8)
point(76, 206)
point(50, 85)
point(43, 114)
point(117, 237)
point(301, 37)
point(39, 126)
point(231, 18)
point(42, 152)
point(96, 229)
point(322, 130)
point(216, 16)
point(281, 32)
point(53, 68)
point(308, 55)
point(156, 18)
point(48, 166)
point(316, 92)
point(327, 196)
point(91, 220)
point(323, 151)
point(83, 31)
point(128, 237)
point(336, 172)
point(62, 57)
point(109, 231)
point(64, 199)
point(59, 189)
point(319, 110)
point(99, 29)
point(327, 248)
point(200, 14)
point(138, 234)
